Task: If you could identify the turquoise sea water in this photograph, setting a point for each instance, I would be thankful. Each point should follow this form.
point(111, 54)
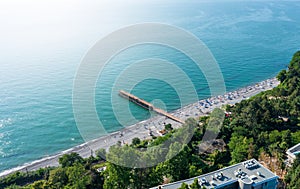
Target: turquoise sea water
point(250, 41)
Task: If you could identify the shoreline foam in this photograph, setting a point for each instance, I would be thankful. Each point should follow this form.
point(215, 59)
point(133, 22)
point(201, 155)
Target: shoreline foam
point(154, 124)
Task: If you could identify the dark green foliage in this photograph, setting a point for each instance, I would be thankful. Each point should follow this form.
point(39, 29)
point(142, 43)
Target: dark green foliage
point(70, 159)
point(75, 173)
point(123, 177)
point(268, 121)
point(58, 178)
point(78, 176)
point(117, 176)
point(178, 166)
point(295, 138)
point(240, 148)
point(14, 187)
point(281, 76)
point(184, 186)
point(168, 127)
point(101, 154)
point(146, 177)
point(20, 178)
point(292, 178)
point(195, 185)
point(136, 141)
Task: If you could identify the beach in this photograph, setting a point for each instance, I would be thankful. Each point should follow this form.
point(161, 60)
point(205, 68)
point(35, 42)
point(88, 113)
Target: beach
point(153, 125)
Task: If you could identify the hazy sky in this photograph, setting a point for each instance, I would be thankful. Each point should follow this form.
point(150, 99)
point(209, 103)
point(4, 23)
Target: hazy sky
point(33, 22)
point(54, 20)
point(30, 26)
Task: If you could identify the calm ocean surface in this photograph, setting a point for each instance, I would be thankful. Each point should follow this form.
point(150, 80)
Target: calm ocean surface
point(250, 41)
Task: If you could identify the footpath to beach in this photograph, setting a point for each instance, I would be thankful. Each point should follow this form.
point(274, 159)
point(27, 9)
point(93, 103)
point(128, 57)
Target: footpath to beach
point(152, 126)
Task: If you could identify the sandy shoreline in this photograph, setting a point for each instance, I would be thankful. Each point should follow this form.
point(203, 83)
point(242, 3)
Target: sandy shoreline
point(141, 129)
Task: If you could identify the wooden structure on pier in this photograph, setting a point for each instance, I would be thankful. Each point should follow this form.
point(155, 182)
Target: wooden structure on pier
point(147, 105)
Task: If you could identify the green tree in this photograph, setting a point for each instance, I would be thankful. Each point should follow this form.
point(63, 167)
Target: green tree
point(70, 159)
point(295, 137)
point(178, 166)
point(41, 184)
point(13, 186)
point(168, 127)
point(281, 76)
point(184, 186)
point(239, 148)
point(195, 184)
point(101, 153)
point(292, 178)
point(78, 177)
point(116, 177)
point(194, 171)
point(58, 178)
point(143, 178)
point(136, 141)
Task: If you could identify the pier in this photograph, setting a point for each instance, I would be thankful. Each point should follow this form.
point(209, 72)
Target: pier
point(148, 105)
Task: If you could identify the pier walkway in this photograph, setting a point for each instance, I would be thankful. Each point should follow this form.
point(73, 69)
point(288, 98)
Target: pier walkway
point(147, 105)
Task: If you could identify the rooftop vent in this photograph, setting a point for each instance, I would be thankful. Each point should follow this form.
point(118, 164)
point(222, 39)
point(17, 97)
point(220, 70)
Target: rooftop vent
point(219, 175)
point(202, 181)
point(250, 164)
point(258, 173)
point(253, 177)
point(239, 173)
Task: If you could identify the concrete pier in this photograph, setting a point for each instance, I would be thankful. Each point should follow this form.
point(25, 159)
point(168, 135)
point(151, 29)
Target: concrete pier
point(147, 105)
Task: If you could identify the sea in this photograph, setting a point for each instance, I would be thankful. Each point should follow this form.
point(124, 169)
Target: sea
point(43, 46)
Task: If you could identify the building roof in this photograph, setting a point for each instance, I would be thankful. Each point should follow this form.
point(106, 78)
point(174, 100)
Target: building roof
point(248, 172)
point(293, 151)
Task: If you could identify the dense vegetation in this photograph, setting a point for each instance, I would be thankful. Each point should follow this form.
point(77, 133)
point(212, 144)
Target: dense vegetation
point(292, 178)
point(268, 122)
point(19, 178)
point(265, 125)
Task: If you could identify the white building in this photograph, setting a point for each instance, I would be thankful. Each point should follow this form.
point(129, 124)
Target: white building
point(246, 175)
point(292, 152)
